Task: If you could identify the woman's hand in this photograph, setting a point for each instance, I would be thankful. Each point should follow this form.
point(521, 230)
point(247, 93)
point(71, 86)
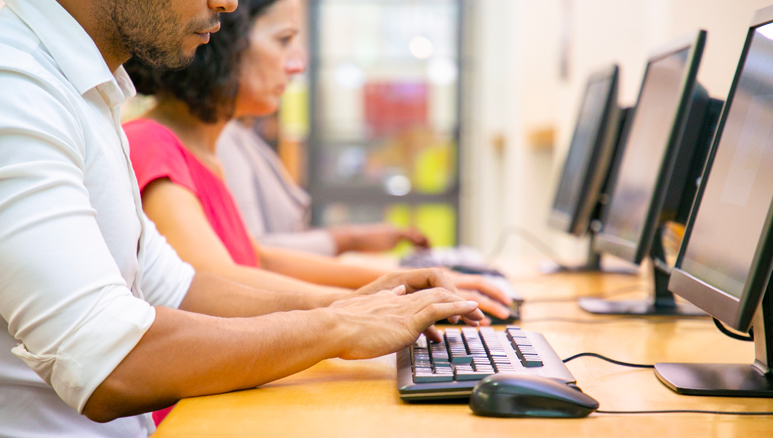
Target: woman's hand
point(490, 299)
point(374, 237)
point(416, 280)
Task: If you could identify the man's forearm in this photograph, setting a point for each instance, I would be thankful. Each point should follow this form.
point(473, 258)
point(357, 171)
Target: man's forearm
point(186, 355)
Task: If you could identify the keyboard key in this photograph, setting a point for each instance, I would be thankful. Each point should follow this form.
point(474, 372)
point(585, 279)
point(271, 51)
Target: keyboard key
point(461, 360)
point(462, 376)
point(531, 361)
point(429, 377)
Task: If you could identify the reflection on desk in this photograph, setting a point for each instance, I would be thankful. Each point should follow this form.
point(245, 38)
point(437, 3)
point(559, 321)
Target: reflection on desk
point(338, 398)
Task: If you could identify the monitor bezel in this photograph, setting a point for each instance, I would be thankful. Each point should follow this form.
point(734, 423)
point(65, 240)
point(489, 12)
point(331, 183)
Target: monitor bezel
point(635, 252)
point(721, 305)
point(578, 220)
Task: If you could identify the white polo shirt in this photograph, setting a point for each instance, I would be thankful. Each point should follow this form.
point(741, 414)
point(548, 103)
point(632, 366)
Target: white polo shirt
point(80, 264)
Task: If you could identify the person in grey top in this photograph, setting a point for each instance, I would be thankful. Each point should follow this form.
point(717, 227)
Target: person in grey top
point(277, 211)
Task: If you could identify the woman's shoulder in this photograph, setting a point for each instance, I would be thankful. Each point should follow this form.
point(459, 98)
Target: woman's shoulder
point(156, 152)
point(146, 134)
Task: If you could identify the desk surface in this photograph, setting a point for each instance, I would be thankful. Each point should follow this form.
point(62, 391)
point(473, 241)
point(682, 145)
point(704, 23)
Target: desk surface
point(338, 398)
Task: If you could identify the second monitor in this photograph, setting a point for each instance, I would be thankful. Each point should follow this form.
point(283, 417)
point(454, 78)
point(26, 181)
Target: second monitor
point(666, 143)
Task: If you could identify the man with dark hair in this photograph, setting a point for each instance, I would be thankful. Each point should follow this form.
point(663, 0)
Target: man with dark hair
point(102, 316)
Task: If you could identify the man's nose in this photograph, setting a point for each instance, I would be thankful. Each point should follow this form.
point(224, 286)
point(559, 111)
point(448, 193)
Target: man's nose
point(223, 5)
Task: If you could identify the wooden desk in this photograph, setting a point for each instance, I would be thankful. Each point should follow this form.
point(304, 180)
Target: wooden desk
point(339, 398)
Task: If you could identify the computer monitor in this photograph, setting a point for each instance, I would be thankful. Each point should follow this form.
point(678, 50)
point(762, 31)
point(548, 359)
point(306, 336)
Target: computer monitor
point(582, 187)
point(726, 257)
point(665, 149)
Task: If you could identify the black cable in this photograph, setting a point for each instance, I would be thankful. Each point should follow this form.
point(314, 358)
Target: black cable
point(659, 411)
point(689, 411)
point(727, 332)
point(599, 356)
point(530, 238)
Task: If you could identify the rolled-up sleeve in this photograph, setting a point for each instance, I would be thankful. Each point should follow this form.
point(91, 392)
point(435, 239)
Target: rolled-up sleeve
point(166, 277)
point(61, 291)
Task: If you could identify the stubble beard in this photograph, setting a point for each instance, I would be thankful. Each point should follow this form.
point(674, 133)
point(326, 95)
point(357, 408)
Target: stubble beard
point(150, 31)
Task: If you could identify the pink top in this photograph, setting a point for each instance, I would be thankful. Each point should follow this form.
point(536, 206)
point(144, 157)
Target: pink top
point(156, 152)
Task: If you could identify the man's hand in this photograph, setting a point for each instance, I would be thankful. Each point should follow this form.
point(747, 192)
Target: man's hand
point(375, 237)
point(388, 321)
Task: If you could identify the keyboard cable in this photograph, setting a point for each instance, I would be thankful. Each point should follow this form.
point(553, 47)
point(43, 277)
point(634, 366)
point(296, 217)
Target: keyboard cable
point(658, 411)
point(528, 237)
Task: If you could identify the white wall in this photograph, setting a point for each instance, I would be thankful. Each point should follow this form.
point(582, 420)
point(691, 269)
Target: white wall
point(516, 88)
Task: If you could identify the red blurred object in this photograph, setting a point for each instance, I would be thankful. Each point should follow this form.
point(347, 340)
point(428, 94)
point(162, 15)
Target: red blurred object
point(392, 107)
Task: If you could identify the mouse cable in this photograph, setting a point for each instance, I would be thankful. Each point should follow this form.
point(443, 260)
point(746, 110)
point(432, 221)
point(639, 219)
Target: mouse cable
point(599, 356)
point(689, 411)
point(529, 238)
point(659, 411)
point(723, 329)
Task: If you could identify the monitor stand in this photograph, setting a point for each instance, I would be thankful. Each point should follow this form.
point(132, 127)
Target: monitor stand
point(661, 303)
point(729, 380)
point(592, 264)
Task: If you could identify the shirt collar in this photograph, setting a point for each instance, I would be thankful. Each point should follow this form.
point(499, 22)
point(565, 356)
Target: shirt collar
point(71, 47)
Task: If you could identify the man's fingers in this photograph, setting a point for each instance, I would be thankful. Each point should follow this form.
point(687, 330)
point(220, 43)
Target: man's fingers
point(437, 311)
point(399, 290)
point(475, 315)
point(433, 277)
point(433, 334)
point(427, 297)
point(470, 322)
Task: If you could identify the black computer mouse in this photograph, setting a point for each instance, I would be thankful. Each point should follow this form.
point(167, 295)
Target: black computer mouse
point(520, 395)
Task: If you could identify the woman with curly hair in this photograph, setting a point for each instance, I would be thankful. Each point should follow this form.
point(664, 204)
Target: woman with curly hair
point(241, 72)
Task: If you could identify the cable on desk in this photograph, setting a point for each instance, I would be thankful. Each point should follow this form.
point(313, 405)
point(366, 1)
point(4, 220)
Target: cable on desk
point(723, 329)
point(602, 357)
point(528, 237)
point(613, 293)
point(689, 411)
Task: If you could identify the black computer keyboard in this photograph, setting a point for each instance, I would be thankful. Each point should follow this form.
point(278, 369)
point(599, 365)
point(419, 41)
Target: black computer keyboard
point(450, 369)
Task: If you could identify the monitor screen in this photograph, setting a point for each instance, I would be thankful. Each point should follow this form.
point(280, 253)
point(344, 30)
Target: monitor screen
point(647, 142)
point(727, 227)
point(589, 126)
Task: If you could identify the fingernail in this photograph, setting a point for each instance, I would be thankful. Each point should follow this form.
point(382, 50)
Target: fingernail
point(399, 290)
point(472, 303)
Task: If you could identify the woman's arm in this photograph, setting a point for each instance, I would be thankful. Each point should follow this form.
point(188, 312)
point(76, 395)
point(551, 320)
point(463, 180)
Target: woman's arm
point(329, 271)
point(179, 217)
point(315, 268)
